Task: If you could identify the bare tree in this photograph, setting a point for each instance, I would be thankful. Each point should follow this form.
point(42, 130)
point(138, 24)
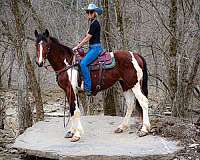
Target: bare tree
point(112, 98)
point(24, 108)
point(120, 22)
point(19, 39)
point(108, 96)
point(173, 45)
point(107, 41)
point(181, 66)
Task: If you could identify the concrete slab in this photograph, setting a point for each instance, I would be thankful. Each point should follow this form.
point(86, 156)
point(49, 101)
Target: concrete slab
point(45, 139)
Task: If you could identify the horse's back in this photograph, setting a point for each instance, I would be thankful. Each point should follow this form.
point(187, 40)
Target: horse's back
point(125, 58)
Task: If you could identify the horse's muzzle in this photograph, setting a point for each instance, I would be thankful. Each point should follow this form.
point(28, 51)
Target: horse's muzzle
point(39, 64)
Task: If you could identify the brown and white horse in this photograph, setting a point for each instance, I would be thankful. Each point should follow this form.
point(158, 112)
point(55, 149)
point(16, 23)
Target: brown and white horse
point(130, 70)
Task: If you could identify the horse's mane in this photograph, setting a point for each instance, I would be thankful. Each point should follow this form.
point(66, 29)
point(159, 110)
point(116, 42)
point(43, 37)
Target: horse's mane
point(56, 41)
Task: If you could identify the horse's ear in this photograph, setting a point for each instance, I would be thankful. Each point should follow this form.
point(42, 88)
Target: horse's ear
point(36, 33)
point(46, 33)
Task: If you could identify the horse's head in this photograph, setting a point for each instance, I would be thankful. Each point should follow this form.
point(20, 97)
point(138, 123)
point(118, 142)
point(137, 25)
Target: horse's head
point(42, 46)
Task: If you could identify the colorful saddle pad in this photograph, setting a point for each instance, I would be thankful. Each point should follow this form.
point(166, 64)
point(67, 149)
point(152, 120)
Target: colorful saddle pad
point(106, 60)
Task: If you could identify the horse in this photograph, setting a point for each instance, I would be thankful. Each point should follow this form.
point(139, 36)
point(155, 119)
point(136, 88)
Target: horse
point(130, 70)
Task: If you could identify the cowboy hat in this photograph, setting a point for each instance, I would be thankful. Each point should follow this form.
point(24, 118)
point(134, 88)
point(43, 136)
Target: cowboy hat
point(93, 7)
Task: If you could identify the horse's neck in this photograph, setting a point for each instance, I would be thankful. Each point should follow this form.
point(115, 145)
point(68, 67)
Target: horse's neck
point(57, 56)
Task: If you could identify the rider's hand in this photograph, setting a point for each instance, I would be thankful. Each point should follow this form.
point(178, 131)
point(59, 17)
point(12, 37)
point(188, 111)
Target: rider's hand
point(75, 48)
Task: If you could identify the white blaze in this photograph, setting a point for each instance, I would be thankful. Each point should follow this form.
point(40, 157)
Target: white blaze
point(41, 50)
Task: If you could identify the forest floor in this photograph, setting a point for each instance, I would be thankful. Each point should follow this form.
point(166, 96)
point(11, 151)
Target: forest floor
point(186, 134)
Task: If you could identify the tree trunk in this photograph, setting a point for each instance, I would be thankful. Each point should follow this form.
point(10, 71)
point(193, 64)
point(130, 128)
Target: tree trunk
point(108, 95)
point(182, 73)
point(35, 89)
point(34, 85)
point(193, 70)
point(113, 101)
point(138, 22)
point(111, 97)
point(1, 66)
point(120, 24)
point(24, 109)
point(181, 101)
point(10, 70)
point(172, 68)
point(192, 76)
point(2, 113)
point(106, 24)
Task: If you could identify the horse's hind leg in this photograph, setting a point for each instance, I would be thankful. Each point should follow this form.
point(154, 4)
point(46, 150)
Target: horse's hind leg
point(130, 101)
point(144, 104)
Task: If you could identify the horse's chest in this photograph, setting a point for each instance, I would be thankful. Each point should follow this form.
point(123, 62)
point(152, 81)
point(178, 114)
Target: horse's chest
point(62, 79)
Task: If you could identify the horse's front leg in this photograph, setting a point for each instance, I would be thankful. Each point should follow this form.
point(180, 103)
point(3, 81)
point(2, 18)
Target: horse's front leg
point(76, 128)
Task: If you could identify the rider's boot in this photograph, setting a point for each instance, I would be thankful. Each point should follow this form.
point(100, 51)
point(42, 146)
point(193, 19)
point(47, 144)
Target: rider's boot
point(81, 89)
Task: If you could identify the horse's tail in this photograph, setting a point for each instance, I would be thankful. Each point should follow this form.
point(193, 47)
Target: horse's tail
point(144, 86)
point(145, 79)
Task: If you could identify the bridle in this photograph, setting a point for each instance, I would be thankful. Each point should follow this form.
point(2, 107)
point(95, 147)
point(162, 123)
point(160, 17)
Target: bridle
point(58, 72)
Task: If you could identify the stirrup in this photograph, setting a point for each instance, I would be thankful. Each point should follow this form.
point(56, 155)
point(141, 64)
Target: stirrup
point(88, 93)
point(80, 90)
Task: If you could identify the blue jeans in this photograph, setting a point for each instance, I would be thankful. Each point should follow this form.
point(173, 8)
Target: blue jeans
point(92, 54)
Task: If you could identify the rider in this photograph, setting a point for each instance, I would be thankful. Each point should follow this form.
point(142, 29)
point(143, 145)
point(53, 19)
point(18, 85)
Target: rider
point(95, 48)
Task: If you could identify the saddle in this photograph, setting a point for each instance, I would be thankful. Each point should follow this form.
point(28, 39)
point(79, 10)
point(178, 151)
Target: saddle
point(105, 61)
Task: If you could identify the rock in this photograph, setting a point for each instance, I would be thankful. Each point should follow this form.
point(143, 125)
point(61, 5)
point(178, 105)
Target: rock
point(46, 139)
point(13, 151)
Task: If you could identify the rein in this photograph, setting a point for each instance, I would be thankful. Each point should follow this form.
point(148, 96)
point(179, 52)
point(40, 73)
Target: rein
point(58, 72)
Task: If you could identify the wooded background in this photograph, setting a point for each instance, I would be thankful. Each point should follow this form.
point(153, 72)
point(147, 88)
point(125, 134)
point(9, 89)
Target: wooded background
point(165, 32)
